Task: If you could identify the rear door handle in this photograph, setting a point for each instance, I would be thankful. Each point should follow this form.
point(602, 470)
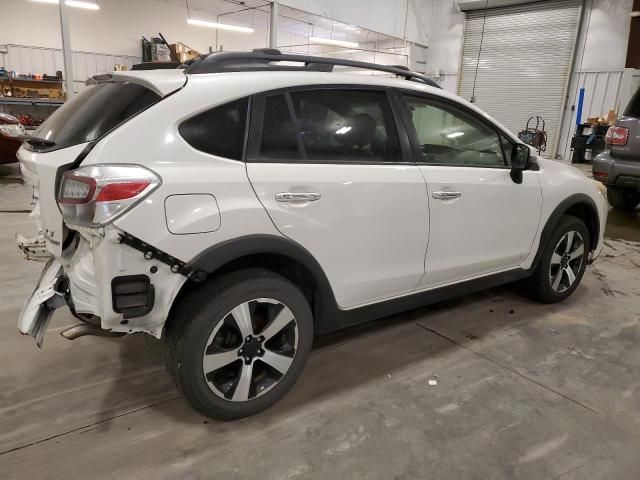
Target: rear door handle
point(297, 196)
point(446, 195)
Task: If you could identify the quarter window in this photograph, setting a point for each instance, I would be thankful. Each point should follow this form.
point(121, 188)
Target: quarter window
point(219, 131)
point(346, 125)
point(453, 138)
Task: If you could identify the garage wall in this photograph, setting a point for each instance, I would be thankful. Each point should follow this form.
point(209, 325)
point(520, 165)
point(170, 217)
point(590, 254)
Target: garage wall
point(123, 21)
point(406, 19)
point(600, 52)
point(599, 65)
point(116, 28)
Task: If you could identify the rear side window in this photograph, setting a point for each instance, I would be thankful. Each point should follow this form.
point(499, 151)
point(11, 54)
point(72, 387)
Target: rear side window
point(219, 131)
point(633, 109)
point(93, 112)
point(346, 125)
point(278, 130)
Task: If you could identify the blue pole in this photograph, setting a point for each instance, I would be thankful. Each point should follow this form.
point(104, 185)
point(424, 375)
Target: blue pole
point(580, 102)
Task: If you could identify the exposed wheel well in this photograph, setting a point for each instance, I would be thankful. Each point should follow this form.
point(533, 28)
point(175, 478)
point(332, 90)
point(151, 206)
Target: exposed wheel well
point(289, 268)
point(580, 206)
point(589, 216)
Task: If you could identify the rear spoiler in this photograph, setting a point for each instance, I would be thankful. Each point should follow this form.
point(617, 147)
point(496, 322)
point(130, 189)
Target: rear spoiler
point(163, 82)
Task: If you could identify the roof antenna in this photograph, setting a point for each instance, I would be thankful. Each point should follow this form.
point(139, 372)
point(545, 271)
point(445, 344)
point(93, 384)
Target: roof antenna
point(475, 77)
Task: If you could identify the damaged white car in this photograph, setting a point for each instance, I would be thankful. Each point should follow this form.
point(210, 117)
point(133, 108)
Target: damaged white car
point(249, 201)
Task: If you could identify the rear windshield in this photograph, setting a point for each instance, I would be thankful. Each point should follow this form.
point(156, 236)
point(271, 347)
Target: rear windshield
point(92, 113)
point(633, 109)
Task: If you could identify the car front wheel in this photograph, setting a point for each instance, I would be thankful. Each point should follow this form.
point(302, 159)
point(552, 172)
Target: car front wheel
point(236, 346)
point(563, 262)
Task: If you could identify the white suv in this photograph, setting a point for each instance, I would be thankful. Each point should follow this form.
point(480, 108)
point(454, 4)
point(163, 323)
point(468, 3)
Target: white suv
point(241, 205)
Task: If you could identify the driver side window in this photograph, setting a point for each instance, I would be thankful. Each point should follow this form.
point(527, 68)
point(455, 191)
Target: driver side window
point(449, 137)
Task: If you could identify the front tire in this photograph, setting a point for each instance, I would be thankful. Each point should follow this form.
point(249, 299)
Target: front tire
point(237, 345)
point(563, 262)
point(624, 199)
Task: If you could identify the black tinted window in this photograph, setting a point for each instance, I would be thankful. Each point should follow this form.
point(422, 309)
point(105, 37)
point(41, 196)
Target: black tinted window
point(219, 131)
point(352, 125)
point(278, 130)
point(93, 112)
point(633, 109)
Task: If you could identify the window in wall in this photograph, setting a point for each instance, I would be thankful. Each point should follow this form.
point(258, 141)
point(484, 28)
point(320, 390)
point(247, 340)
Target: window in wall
point(219, 131)
point(346, 125)
point(448, 138)
point(278, 130)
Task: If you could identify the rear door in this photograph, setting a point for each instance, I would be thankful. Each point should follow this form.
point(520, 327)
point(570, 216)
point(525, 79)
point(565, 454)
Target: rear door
point(328, 166)
point(481, 222)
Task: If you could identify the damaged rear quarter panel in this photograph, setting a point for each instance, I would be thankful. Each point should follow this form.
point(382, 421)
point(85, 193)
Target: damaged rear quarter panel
point(183, 170)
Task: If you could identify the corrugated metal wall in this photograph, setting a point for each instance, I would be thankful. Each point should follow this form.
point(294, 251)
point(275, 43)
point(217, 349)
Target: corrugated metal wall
point(524, 64)
point(603, 91)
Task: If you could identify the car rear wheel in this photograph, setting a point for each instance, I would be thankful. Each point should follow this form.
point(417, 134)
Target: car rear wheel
point(624, 199)
point(237, 346)
point(562, 263)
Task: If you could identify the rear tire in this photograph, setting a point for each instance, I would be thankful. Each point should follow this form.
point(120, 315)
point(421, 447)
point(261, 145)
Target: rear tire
point(562, 263)
point(237, 345)
point(624, 199)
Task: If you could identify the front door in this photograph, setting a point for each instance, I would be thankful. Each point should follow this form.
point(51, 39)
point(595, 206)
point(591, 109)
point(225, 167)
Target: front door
point(481, 222)
point(327, 165)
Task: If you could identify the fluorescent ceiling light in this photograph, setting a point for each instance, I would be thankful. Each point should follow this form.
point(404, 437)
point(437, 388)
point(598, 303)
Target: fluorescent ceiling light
point(87, 5)
point(221, 26)
point(455, 134)
point(331, 41)
point(73, 3)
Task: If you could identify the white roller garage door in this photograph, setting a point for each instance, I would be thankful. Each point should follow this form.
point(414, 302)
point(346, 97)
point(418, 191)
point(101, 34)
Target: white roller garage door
point(525, 62)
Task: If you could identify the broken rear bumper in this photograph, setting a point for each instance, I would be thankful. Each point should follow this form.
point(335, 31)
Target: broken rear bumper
point(43, 301)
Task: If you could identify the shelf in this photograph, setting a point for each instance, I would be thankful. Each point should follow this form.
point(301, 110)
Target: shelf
point(34, 102)
point(31, 80)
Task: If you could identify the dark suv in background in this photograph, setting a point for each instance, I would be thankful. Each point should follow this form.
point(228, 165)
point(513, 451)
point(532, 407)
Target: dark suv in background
point(619, 166)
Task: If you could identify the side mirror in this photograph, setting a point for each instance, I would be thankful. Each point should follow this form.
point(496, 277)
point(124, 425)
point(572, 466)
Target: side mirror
point(520, 156)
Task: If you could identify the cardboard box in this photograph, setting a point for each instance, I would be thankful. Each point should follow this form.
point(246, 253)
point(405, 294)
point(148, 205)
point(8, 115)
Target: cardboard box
point(182, 52)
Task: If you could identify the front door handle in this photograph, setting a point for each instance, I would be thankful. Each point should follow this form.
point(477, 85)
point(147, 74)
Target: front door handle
point(446, 195)
point(297, 196)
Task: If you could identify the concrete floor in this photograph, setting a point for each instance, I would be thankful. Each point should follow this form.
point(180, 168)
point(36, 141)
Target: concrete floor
point(522, 390)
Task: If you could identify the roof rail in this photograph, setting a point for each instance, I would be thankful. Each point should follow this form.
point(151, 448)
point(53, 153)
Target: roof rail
point(261, 60)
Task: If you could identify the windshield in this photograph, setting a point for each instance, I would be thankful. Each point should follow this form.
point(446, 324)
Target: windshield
point(92, 113)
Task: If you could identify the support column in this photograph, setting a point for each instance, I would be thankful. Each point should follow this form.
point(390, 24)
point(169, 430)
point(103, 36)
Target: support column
point(273, 26)
point(66, 50)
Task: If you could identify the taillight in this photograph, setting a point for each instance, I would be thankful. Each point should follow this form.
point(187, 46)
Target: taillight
point(76, 189)
point(602, 176)
point(97, 194)
point(617, 136)
point(121, 191)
